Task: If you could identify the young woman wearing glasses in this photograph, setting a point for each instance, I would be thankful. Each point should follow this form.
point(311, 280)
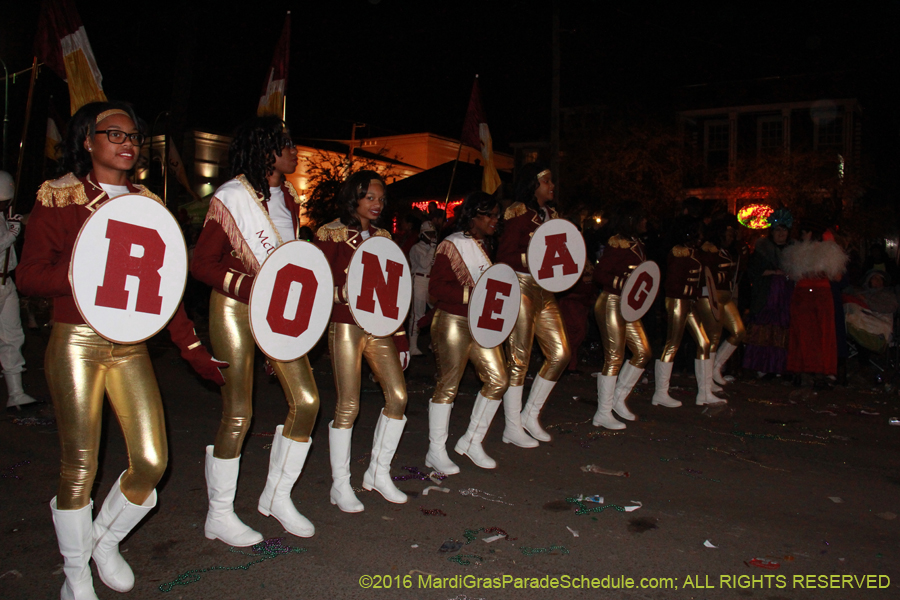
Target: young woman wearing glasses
point(227, 257)
point(101, 148)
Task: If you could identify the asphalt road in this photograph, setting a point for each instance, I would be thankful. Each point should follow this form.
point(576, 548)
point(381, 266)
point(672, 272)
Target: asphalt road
point(796, 491)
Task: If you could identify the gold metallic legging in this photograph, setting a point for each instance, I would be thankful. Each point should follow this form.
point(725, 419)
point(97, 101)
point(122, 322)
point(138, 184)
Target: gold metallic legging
point(729, 318)
point(348, 345)
point(453, 348)
point(539, 317)
point(617, 333)
point(80, 365)
point(681, 313)
point(232, 341)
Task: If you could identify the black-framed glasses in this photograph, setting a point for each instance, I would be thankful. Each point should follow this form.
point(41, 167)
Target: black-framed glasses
point(117, 136)
point(287, 142)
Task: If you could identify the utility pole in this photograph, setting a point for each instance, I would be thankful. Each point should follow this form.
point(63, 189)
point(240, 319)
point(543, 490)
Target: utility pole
point(554, 103)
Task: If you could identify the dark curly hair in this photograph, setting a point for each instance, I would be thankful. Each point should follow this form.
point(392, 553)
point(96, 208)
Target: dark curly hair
point(527, 184)
point(625, 217)
point(352, 191)
point(73, 157)
point(252, 152)
point(475, 203)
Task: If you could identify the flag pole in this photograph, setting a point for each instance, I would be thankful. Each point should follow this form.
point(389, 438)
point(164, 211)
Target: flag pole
point(12, 205)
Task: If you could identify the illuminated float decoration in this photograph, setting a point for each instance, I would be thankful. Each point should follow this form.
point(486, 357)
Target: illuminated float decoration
point(755, 216)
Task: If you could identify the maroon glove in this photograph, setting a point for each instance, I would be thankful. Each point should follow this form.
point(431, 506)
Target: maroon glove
point(207, 366)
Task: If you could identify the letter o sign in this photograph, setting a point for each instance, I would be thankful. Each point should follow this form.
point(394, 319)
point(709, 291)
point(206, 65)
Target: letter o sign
point(128, 269)
point(291, 301)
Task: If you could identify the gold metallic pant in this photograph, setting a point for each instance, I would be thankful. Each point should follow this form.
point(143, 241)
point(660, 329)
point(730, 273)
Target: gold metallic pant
point(80, 366)
point(617, 333)
point(681, 313)
point(348, 345)
point(539, 317)
point(232, 341)
point(729, 318)
point(453, 348)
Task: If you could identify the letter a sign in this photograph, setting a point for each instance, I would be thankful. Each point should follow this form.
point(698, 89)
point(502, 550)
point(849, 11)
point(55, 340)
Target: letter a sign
point(379, 286)
point(556, 255)
point(291, 301)
point(128, 269)
point(640, 291)
point(494, 306)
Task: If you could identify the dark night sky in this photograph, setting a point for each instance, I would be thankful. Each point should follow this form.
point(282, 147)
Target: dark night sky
point(404, 66)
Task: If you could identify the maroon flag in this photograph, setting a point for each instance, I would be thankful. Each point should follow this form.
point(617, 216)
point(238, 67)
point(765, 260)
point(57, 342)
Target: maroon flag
point(475, 133)
point(272, 100)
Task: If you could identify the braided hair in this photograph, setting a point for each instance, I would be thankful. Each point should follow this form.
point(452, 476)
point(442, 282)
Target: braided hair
point(252, 152)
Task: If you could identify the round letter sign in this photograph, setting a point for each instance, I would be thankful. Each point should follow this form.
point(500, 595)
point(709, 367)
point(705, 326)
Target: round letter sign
point(640, 291)
point(128, 269)
point(494, 306)
point(556, 255)
point(291, 301)
point(379, 286)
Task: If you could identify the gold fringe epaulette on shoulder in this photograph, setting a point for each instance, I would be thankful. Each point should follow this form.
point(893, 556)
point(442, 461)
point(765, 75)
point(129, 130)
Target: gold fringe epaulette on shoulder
point(709, 247)
point(332, 232)
point(383, 233)
point(681, 251)
point(142, 191)
point(457, 263)
point(516, 209)
point(292, 191)
point(617, 241)
point(62, 192)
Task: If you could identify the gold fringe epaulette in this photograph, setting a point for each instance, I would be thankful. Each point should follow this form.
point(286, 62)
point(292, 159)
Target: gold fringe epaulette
point(617, 241)
point(709, 247)
point(220, 214)
point(292, 191)
point(516, 209)
point(332, 232)
point(457, 263)
point(383, 233)
point(142, 191)
point(62, 192)
point(681, 251)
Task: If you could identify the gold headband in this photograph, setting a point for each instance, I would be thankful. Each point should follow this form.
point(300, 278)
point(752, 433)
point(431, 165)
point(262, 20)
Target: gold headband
point(109, 113)
point(542, 173)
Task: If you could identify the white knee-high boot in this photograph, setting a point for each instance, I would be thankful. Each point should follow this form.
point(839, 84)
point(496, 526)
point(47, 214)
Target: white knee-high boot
point(470, 443)
point(378, 475)
point(116, 518)
point(723, 353)
point(74, 535)
point(342, 493)
point(286, 462)
point(438, 430)
point(628, 377)
point(606, 391)
point(540, 391)
point(221, 522)
point(513, 433)
point(663, 375)
point(703, 371)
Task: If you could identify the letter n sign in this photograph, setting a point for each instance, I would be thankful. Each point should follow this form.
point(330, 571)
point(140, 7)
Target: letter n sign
point(288, 279)
point(374, 282)
point(122, 262)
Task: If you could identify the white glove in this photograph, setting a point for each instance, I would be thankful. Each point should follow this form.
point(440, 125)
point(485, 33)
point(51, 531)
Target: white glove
point(404, 359)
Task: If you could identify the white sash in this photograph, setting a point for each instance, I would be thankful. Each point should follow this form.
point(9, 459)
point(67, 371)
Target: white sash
point(249, 216)
point(472, 254)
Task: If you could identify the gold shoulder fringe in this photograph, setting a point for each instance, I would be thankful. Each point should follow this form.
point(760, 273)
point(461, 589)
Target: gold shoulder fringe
point(617, 241)
point(332, 232)
point(62, 192)
point(142, 191)
point(681, 251)
point(554, 214)
point(457, 263)
point(709, 247)
point(293, 191)
point(383, 233)
point(516, 209)
point(220, 214)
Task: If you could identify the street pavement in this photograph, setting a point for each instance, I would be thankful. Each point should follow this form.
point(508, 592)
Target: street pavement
point(784, 492)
